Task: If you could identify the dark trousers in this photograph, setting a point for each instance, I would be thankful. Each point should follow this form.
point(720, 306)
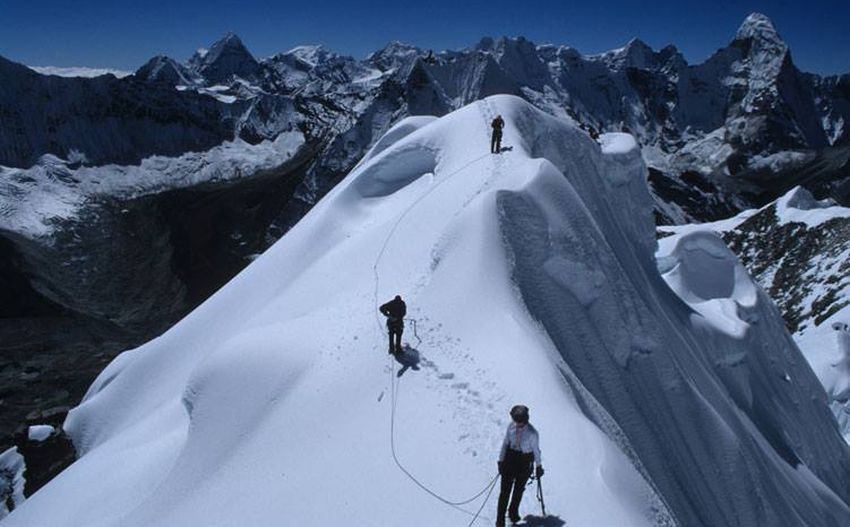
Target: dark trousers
point(515, 473)
point(496, 142)
point(395, 338)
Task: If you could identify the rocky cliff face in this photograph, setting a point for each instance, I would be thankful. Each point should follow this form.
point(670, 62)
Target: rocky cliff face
point(101, 120)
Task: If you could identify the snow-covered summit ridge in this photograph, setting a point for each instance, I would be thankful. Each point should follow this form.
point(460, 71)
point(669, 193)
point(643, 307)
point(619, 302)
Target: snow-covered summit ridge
point(532, 277)
point(759, 26)
point(226, 58)
point(79, 71)
point(311, 54)
point(799, 206)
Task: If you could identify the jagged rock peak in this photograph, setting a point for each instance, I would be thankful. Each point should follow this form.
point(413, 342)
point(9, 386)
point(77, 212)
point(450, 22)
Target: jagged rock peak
point(163, 68)
point(636, 53)
point(397, 47)
point(518, 44)
point(485, 44)
point(394, 55)
point(760, 27)
point(230, 43)
point(227, 57)
point(636, 44)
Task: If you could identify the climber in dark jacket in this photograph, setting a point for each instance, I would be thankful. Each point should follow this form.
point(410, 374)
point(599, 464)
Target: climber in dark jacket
point(496, 139)
point(395, 310)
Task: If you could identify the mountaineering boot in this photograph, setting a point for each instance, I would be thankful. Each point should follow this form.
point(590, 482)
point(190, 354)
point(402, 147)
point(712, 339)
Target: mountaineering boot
point(500, 522)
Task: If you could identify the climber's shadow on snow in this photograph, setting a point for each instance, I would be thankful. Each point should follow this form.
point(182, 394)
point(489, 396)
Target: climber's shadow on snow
point(540, 521)
point(408, 358)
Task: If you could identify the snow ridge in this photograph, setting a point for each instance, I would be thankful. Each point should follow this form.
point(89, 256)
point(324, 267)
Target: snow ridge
point(519, 268)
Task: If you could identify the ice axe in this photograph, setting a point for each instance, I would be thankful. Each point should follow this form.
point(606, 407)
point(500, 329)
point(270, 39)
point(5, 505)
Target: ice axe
point(540, 496)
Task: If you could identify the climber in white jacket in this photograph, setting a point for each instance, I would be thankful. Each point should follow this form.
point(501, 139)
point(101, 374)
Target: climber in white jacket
point(520, 450)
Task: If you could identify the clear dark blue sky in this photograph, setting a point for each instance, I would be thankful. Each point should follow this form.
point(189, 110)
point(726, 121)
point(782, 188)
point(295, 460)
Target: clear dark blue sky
point(124, 34)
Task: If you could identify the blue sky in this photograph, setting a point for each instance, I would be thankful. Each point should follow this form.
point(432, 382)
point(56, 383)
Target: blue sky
point(124, 34)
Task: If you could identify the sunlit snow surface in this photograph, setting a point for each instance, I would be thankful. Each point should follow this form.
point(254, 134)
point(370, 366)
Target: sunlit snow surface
point(79, 71)
point(33, 199)
point(532, 277)
point(39, 432)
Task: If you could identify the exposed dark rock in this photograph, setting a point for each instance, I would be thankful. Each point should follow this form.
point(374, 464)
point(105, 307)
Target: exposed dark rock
point(44, 459)
point(149, 261)
point(791, 261)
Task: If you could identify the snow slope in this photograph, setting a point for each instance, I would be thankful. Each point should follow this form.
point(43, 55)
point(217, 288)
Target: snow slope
point(798, 250)
point(532, 279)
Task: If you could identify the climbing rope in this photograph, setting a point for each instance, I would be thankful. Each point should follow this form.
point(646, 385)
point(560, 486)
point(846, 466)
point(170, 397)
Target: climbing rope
point(394, 396)
point(415, 333)
point(401, 218)
point(394, 381)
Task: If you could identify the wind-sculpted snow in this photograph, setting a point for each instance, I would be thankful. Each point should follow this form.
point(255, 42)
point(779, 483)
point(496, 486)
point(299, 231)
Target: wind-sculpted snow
point(398, 132)
point(728, 448)
point(798, 250)
point(531, 277)
point(710, 278)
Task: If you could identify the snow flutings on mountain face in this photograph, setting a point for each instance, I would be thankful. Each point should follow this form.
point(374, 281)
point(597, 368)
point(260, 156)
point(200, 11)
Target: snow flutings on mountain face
point(532, 277)
point(618, 327)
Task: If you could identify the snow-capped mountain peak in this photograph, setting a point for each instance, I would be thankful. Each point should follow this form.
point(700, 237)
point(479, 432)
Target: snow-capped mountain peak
point(758, 26)
point(166, 70)
point(227, 57)
point(312, 55)
point(635, 54)
point(394, 55)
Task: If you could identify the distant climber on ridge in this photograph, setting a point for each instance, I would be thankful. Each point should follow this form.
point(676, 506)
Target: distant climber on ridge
point(843, 334)
point(395, 310)
point(520, 450)
point(496, 139)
